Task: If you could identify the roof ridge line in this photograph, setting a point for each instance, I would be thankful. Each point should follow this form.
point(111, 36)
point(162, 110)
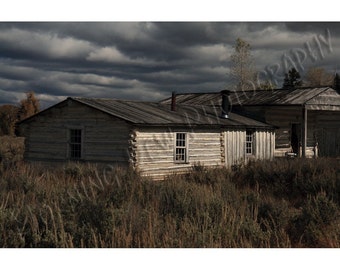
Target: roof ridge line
point(324, 90)
point(114, 99)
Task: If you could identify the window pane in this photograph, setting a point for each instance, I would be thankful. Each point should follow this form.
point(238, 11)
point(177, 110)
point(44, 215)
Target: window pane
point(75, 135)
point(180, 154)
point(249, 141)
point(180, 150)
point(75, 151)
point(75, 143)
point(180, 139)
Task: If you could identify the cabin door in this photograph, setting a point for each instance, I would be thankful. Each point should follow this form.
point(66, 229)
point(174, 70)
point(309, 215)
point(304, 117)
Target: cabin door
point(295, 138)
point(329, 145)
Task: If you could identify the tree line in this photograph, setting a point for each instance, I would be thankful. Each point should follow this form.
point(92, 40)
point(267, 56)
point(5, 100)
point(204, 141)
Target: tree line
point(10, 114)
point(243, 73)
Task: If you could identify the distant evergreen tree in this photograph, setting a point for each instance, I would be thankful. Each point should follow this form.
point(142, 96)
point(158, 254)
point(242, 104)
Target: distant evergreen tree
point(286, 82)
point(337, 82)
point(292, 79)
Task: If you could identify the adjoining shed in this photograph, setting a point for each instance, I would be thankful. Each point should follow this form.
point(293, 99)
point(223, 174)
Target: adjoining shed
point(308, 119)
point(155, 139)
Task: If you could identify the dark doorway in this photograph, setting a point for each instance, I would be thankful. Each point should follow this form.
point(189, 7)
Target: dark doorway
point(329, 145)
point(295, 137)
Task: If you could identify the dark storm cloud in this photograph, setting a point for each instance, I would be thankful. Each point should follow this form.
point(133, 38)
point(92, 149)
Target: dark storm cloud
point(313, 27)
point(139, 60)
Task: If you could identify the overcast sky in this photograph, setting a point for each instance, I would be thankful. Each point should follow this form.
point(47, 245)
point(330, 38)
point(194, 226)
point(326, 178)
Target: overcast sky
point(146, 61)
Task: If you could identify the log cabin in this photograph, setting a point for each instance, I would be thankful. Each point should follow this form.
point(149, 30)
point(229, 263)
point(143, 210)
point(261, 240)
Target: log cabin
point(307, 119)
point(155, 139)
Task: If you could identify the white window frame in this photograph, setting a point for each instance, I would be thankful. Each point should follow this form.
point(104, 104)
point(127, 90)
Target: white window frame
point(179, 147)
point(251, 142)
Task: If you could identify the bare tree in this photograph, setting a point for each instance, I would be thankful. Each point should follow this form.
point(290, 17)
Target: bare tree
point(242, 69)
point(28, 106)
point(8, 119)
point(317, 76)
point(266, 85)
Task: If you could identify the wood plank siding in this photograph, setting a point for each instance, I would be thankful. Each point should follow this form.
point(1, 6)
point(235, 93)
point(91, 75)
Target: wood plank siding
point(327, 132)
point(154, 149)
point(149, 137)
point(319, 135)
point(105, 138)
point(235, 141)
point(323, 128)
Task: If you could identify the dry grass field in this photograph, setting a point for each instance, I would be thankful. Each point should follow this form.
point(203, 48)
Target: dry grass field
point(282, 203)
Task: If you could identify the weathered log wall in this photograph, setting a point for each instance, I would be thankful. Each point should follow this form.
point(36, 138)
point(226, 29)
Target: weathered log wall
point(105, 138)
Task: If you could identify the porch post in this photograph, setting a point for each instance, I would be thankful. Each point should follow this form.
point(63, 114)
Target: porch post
point(304, 131)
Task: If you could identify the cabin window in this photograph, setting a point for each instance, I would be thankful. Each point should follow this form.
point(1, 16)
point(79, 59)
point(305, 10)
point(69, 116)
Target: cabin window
point(181, 148)
point(250, 142)
point(75, 143)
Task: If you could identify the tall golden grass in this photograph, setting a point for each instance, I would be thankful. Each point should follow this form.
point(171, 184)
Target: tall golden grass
point(283, 203)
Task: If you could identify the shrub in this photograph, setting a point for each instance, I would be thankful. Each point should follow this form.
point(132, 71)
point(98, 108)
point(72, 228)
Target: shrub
point(11, 149)
point(282, 203)
point(317, 216)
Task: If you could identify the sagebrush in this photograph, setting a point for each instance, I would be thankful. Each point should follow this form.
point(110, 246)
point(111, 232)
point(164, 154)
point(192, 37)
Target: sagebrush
point(282, 203)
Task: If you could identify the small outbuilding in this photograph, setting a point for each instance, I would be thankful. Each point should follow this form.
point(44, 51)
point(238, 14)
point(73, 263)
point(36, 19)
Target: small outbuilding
point(307, 119)
point(155, 139)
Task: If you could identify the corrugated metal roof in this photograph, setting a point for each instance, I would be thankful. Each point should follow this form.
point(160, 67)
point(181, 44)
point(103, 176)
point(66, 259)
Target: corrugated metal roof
point(151, 113)
point(276, 97)
point(298, 96)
